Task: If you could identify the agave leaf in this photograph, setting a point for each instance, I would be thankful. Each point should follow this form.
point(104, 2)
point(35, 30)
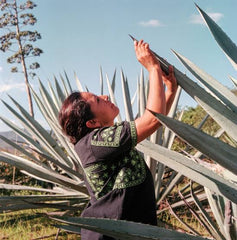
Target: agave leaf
point(112, 97)
point(113, 81)
point(221, 37)
point(234, 81)
point(14, 203)
point(134, 98)
point(168, 139)
point(38, 198)
point(37, 170)
point(40, 133)
point(66, 92)
point(214, 230)
point(124, 229)
point(222, 153)
point(222, 92)
point(126, 98)
point(101, 82)
point(61, 95)
point(142, 98)
point(68, 82)
point(57, 130)
point(49, 103)
point(21, 133)
point(79, 86)
point(54, 98)
point(69, 228)
point(21, 149)
point(190, 169)
point(27, 188)
point(215, 210)
point(228, 220)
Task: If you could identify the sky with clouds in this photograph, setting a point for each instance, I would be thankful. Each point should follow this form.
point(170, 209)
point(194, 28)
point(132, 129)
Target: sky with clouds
point(81, 36)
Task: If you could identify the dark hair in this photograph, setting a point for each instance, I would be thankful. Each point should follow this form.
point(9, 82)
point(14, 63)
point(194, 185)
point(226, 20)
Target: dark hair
point(74, 114)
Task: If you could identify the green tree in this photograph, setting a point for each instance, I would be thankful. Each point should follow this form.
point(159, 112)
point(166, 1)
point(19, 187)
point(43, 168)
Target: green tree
point(18, 40)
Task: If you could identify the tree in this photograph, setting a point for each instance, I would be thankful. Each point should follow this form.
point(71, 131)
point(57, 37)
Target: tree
point(18, 40)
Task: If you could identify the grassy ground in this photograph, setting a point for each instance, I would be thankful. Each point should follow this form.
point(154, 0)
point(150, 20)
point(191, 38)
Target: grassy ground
point(30, 225)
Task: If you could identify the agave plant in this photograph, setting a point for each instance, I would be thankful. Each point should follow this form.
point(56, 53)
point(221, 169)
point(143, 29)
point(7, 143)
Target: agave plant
point(51, 158)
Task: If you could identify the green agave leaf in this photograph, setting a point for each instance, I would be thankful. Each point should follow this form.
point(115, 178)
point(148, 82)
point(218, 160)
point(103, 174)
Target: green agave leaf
point(112, 97)
point(48, 102)
point(21, 149)
point(22, 134)
point(69, 228)
point(234, 81)
point(113, 81)
point(68, 82)
point(190, 169)
point(57, 131)
point(42, 135)
point(124, 229)
point(222, 92)
point(217, 150)
point(101, 82)
point(40, 171)
point(221, 37)
point(60, 93)
point(79, 86)
point(215, 209)
point(61, 204)
point(226, 118)
point(214, 230)
point(126, 98)
point(56, 101)
point(142, 95)
point(66, 92)
point(27, 188)
point(38, 198)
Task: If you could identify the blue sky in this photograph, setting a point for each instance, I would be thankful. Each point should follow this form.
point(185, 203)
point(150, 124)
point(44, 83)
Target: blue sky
point(80, 36)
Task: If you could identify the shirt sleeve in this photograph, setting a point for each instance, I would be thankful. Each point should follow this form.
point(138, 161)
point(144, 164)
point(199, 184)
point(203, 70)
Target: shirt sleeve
point(112, 141)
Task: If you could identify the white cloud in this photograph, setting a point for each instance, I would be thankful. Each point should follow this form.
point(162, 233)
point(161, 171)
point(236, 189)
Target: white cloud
point(151, 23)
point(197, 19)
point(1, 69)
point(11, 86)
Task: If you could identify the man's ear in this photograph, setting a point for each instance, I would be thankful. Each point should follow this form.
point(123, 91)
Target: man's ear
point(93, 123)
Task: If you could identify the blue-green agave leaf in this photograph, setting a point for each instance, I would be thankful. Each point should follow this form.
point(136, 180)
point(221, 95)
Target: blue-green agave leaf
point(112, 97)
point(234, 81)
point(101, 82)
point(61, 95)
point(221, 152)
point(126, 98)
point(126, 230)
point(78, 82)
point(221, 37)
point(222, 92)
point(190, 169)
point(68, 82)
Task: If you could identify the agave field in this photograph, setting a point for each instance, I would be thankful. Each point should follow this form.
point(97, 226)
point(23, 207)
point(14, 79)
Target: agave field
point(210, 191)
